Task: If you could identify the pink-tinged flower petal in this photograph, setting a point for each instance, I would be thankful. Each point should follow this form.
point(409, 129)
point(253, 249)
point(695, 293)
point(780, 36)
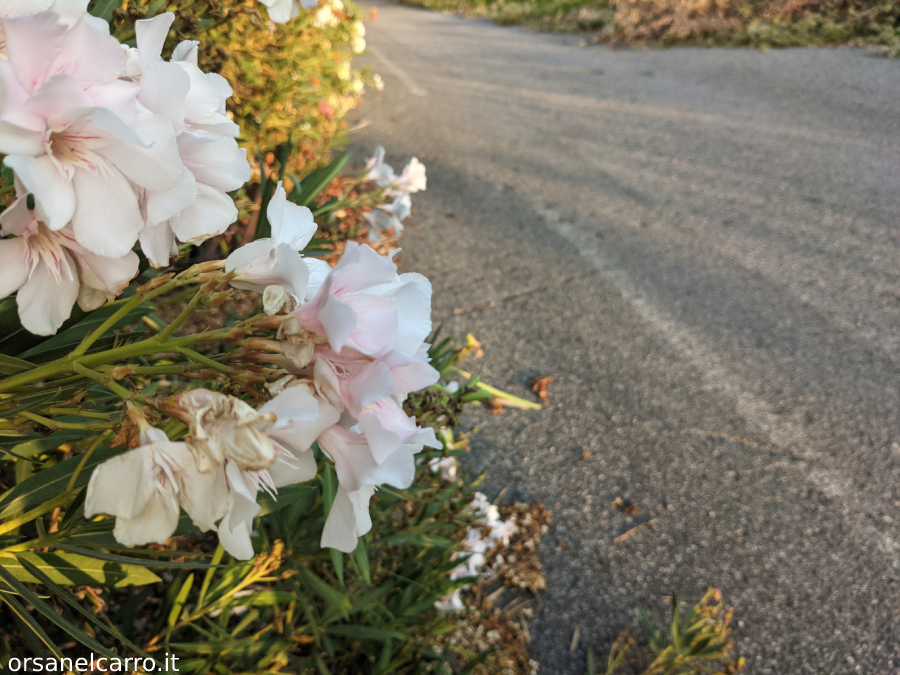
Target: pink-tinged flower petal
point(219, 163)
point(12, 102)
point(96, 127)
point(398, 470)
point(154, 525)
point(350, 453)
point(255, 261)
point(72, 10)
point(203, 496)
point(14, 8)
point(410, 373)
point(301, 419)
point(118, 96)
point(162, 205)
point(164, 89)
point(33, 65)
point(16, 218)
point(348, 519)
point(234, 529)
point(153, 164)
point(60, 92)
point(123, 486)
point(14, 265)
point(107, 217)
point(371, 385)
point(209, 215)
point(386, 427)
point(89, 55)
point(187, 51)
point(157, 242)
point(293, 469)
point(151, 37)
point(113, 273)
point(376, 327)
point(54, 195)
point(15, 140)
point(413, 300)
point(45, 301)
point(318, 272)
point(361, 267)
point(291, 224)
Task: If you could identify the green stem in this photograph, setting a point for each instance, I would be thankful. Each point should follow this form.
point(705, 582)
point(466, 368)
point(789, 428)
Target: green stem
point(68, 363)
point(111, 321)
point(84, 458)
point(519, 402)
point(77, 412)
point(107, 382)
point(53, 424)
point(206, 361)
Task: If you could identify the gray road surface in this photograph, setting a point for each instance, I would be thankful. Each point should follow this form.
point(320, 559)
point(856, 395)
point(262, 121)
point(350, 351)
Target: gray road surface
point(702, 247)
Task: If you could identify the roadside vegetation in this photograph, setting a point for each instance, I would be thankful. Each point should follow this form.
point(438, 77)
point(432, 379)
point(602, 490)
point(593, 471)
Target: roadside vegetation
point(754, 23)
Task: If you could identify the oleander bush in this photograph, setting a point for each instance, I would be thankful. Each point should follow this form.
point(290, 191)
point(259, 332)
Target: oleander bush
point(224, 460)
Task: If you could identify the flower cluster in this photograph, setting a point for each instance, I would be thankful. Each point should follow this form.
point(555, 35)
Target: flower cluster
point(397, 191)
point(109, 146)
point(352, 346)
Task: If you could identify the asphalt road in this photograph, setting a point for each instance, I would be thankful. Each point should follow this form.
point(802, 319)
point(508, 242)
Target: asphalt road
point(702, 247)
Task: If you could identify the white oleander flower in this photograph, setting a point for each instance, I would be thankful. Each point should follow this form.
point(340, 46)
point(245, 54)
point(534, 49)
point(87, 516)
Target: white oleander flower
point(261, 451)
point(365, 305)
point(389, 217)
point(73, 134)
point(51, 271)
point(277, 260)
point(359, 474)
point(197, 206)
point(145, 487)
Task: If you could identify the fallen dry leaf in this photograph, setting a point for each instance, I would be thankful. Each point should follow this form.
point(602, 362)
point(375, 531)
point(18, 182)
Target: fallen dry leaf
point(539, 386)
point(630, 509)
point(628, 533)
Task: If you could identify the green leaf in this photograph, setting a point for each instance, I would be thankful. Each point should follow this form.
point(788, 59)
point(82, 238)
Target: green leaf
point(10, 365)
point(180, 599)
point(365, 632)
point(29, 621)
point(51, 482)
point(261, 599)
point(105, 8)
point(477, 661)
point(360, 557)
point(70, 600)
point(66, 340)
point(286, 497)
point(41, 444)
point(337, 559)
point(77, 570)
point(50, 614)
point(112, 557)
point(332, 597)
point(329, 488)
point(319, 179)
point(37, 400)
